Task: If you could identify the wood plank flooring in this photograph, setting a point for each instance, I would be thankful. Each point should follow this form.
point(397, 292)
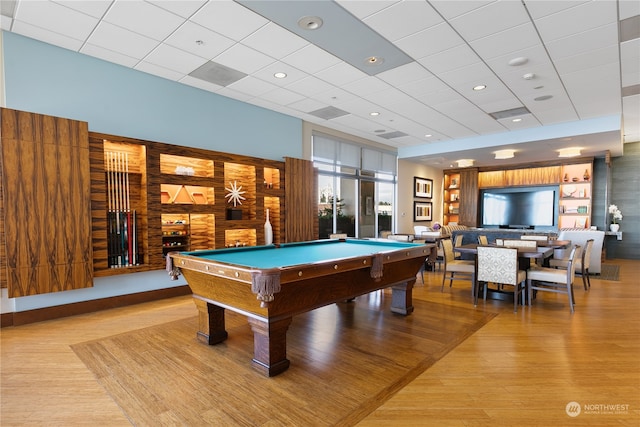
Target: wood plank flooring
point(519, 369)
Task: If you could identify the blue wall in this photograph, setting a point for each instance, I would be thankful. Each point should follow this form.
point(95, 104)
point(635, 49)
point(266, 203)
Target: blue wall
point(45, 79)
point(113, 99)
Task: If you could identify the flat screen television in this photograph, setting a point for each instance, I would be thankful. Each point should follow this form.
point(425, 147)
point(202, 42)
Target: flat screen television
point(522, 207)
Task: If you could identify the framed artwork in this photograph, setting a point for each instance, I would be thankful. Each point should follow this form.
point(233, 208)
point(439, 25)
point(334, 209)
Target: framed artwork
point(368, 206)
point(422, 211)
point(422, 187)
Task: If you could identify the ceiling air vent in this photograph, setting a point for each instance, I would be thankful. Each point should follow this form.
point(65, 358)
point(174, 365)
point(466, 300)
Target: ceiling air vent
point(505, 114)
point(218, 74)
point(328, 113)
point(389, 135)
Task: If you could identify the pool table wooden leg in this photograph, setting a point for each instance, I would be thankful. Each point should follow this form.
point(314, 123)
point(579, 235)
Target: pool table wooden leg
point(402, 297)
point(270, 345)
point(211, 327)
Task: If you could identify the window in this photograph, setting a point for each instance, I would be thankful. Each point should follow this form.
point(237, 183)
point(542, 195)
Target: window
point(356, 188)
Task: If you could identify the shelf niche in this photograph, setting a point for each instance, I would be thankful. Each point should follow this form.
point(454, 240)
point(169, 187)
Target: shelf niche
point(240, 237)
point(185, 166)
point(243, 176)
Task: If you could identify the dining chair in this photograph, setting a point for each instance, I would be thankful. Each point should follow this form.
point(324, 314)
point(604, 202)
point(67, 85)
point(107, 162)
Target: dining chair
point(582, 264)
point(338, 236)
point(499, 265)
point(418, 229)
point(457, 269)
point(457, 242)
point(549, 279)
point(533, 237)
point(516, 243)
point(482, 239)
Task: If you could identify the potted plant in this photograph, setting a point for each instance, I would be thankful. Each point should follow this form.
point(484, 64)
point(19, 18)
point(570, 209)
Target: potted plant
point(616, 215)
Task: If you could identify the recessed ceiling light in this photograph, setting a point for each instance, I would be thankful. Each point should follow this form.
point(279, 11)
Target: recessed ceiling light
point(374, 60)
point(199, 42)
point(518, 61)
point(280, 75)
point(480, 87)
point(543, 98)
point(374, 113)
point(504, 154)
point(428, 135)
point(516, 120)
point(528, 76)
point(310, 22)
point(569, 152)
point(379, 131)
point(465, 163)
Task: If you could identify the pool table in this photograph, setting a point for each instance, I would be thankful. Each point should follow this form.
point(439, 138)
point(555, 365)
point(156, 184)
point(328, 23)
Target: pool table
point(270, 284)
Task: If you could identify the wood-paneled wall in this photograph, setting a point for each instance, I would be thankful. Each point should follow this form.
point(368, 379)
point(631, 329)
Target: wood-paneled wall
point(46, 208)
point(301, 208)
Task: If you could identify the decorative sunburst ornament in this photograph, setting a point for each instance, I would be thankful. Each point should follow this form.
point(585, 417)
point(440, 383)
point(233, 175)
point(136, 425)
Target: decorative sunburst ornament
point(234, 194)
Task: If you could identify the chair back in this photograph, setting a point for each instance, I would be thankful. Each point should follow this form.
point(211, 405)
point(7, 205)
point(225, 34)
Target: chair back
point(576, 252)
point(399, 237)
point(533, 237)
point(514, 243)
point(586, 254)
point(498, 265)
point(482, 239)
point(447, 248)
point(458, 240)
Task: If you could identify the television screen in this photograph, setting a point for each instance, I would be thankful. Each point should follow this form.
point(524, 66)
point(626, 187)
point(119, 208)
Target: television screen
point(519, 207)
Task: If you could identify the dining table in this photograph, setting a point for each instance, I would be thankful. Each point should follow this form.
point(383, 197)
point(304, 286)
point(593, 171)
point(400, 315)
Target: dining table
point(525, 255)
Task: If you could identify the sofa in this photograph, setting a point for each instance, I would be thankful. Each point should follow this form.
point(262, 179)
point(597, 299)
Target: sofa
point(579, 236)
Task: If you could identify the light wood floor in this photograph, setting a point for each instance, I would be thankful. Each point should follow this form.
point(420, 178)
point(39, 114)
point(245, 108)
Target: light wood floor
point(520, 369)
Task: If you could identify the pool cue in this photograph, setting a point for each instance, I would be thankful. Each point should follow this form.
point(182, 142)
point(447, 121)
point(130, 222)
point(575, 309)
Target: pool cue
point(128, 201)
point(109, 211)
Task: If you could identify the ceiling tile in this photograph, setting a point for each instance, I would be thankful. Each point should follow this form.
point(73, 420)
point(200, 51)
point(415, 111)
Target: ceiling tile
point(539, 9)
point(459, 56)
point(482, 21)
point(282, 96)
point(510, 41)
point(252, 86)
point(414, 15)
point(421, 44)
point(56, 18)
point(362, 9)
point(143, 18)
point(174, 59)
point(274, 41)
point(311, 59)
point(121, 40)
point(159, 71)
point(229, 18)
point(405, 74)
point(243, 58)
point(584, 42)
point(109, 55)
point(583, 17)
point(340, 74)
point(47, 36)
point(630, 54)
point(183, 8)
point(95, 8)
point(451, 9)
point(188, 36)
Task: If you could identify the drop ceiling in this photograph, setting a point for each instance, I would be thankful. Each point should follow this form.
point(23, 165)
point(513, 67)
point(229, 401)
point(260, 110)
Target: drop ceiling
point(558, 74)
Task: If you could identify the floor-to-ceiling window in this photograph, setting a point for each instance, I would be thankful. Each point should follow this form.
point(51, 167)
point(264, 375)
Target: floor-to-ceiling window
point(356, 188)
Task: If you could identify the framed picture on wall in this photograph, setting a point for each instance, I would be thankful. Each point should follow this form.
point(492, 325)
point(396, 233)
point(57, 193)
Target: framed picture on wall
point(422, 187)
point(422, 211)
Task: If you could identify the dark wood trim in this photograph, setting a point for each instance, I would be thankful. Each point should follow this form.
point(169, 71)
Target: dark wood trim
point(83, 307)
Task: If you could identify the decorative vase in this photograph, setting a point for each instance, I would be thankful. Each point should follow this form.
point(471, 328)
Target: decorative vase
point(268, 231)
point(586, 176)
point(614, 227)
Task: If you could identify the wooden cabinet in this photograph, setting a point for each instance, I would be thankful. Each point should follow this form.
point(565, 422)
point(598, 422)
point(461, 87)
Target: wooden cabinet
point(181, 197)
point(460, 204)
point(575, 196)
point(45, 227)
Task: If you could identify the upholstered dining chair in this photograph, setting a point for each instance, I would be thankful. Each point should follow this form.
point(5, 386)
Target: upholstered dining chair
point(582, 264)
point(482, 239)
point(499, 265)
point(457, 242)
point(457, 269)
point(549, 279)
point(518, 243)
point(534, 237)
